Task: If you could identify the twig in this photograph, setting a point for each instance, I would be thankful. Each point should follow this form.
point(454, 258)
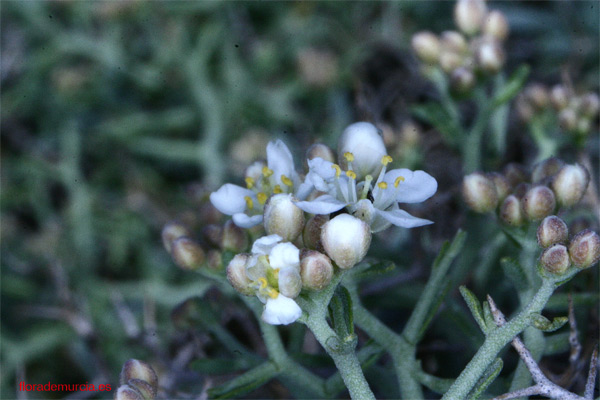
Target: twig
point(591, 380)
point(573, 340)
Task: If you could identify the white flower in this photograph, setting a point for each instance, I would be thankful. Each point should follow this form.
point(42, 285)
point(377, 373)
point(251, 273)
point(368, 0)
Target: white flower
point(245, 205)
point(363, 141)
point(281, 311)
point(376, 203)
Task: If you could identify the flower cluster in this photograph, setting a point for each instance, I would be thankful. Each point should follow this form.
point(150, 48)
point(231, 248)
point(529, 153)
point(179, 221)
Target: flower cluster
point(519, 196)
point(477, 47)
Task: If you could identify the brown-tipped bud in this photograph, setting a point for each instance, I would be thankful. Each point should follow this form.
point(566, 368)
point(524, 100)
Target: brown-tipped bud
point(590, 105)
point(511, 212)
point(187, 253)
point(515, 174)
point(501, 184)
point(427, 47)
point(172, 231)
point(524, 108)
point(312, 232)
point(584, 248)
point(213, 235)
point(136, 369)
point(126, 392)
point(321, 151)
point(454, 41)
point(234, 238)
point(236, 274)
point(555, 259)
point(316, 269)
point(559, 97)
point(546, 169)
point(552, 230)
point(567, 119)
point(495, 25)
point(489, 56)
point(537, 95)
point(346, 240)
point(469, 15)
point(147, 391)
point(521, 189)
point(479, 192)
point(538, 202)
point(462, 79)
point(214, 259)
point(449, 61)
point(570, 184)
point(283, 217)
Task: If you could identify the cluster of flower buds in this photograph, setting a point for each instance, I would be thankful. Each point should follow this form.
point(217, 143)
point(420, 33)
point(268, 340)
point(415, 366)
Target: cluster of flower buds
point(582, 251)
point(519, 196)
point(137, 381)
point(477, 47)
point(185, 251)
point(576, 113)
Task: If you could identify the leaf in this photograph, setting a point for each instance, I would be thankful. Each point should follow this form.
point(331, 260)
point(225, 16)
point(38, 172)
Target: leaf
point(245, 383)
point(512, 87)
point(375, 269)
point(220, 365)
point(542, 323)
point(475, 307)
point(450, 250)
point(490, 374)
point(436, 115)
point(488, 316)
point(341, 314)
point(515, 272)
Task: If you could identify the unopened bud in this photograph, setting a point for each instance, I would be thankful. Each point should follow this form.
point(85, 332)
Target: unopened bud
point(469, 15)
point(126, 392)
point(552, 230)
point(236, 274)
point(449, 61)
point(479, 192)
point(289, 282)
point(515, 174)
point(172, 231)
point(567, 119)
point(147, 391)
point(584, 248)
point(136, 369)
point(501, 184)
point(312, 232)
point(234, 238)
point(319, 150)
point(546, 169)
point(214, 259)
point(282, 217)
point(590, 105)
point(537, 95)
point(584, 126)
point(495, 25)
point(462, 79)
point(346, 240)
point(559, 97)
point(213, 235)
point(187, 253)
point(538, 202)
point(489, 56)
point(454, 41)
point(570, 184)
point(510, 211)
point(555, 259)
point(363, 141)
point(427, 47)
point(316, 269)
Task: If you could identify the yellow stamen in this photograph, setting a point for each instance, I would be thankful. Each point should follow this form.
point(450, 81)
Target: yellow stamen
point(338, 170)
point(277, 189)
point(349, 156)
point(249, 202)
point(287, 181)
point(382, 185)
point(351, 174)
point(385, 160)
point(249, 182)
point(262, 197)
point(273, 293)
point(398, 180)
point(267, 172)
point(263, 282)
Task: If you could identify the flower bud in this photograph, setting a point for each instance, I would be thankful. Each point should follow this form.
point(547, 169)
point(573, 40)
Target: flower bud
point(187, 253)
point(555, 259)
point(479, 192)
point(489, 56)
point(213, 235)
point(538, 202)
point(236, 274)
point(135, 369)
point(552, 230)
point(546, 169)
point(449, 61)
point(584, 248)
point(214, 259)
point(346, 240)
point(570, 184)
point(126, 392)
point(584, 126)
point(173, 230)
point(316, 270)
point(312, 232)
point(495, 25)
point(469, 15)
point(282, 217)
point(537, 95)
point(289, 282)
point(462, 79)
point(510, 211)
point(501, 184)
point(364, 142)
point(590, 105)
point(144, 388)
point(454, 41)
point(524, 108)
point(515, 174)
point(567, 119)
point(559, 97)
point(427, 47)
point(234, 237)
point(321, 151)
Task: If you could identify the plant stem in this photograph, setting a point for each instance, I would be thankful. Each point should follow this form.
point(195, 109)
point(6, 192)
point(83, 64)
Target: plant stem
point(472, 146)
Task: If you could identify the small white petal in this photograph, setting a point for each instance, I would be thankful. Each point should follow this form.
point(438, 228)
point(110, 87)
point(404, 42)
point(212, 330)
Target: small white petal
point(245, 221)
point(229, 199)
point(304, 189)
point(403, 219)
point(281, 311)
point(279, 159)
point(284, 255)
point(265, 244)
point(417, 186)
point(325, 204)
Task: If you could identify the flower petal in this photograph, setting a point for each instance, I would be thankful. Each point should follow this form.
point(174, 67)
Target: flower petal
point(284, 255)
point(264, 244)
point(280, 160)
point(229, 199)
point(403, 219)
point(324, 204)
point(245, 221)
point(281, 311)
point(416, 187)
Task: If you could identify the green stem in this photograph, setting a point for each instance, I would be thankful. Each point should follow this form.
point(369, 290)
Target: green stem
point(472, 146)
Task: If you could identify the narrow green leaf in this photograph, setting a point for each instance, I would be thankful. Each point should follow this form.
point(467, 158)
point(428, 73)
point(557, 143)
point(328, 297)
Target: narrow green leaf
point(375, 269)
point(475, 307)
point(515, 272)
point(512, 87)
point(435, 115)
point(491, 373)
point(488, 317)
point(245, 383)
point(542, 323)
point(221, 365)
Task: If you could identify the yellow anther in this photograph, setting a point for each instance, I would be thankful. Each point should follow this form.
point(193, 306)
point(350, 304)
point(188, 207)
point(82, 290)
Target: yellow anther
point(249, 182)
point(382, 185)
point(338, 170)
point(263, 282)
point(262, 197)
point(277, 189)
point(273, 293)
point(286, 181)
point(398, 180)
point(351, 174)
point(267, 172)
point(249, 202)
point(385, 160)
point(349, 156)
